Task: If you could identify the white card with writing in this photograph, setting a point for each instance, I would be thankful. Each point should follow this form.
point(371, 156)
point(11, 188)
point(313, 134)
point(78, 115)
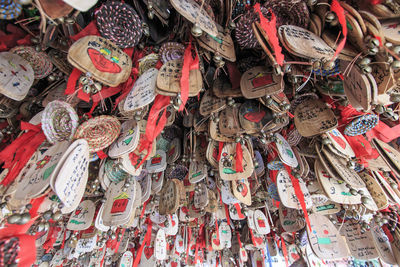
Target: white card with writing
point(126, 259)
point(382, 245)
point(71, 180)
point(340, 143)
point(143, 91)
point(160, 250)
point(158, 163)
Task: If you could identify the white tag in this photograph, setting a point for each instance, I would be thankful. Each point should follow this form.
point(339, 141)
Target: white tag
point(126, 259)
point(261, 223)
point(81, 5)
point(82, 217)
point(158, 163)
point(127, 141)
point(160, 251)
point(143, 91)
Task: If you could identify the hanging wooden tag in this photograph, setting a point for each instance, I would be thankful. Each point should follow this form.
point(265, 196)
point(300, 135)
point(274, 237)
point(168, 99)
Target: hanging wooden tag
point(169, 198)
point(229, 121)
point(259, 82)
point(225, 235)
point(221, 44)
point(226, 194)
point(241, 191)
point(389, 154)
point(71, 174)
point(382, 245)
point(145, 184)
point(157, 163)
point(340, 143)
point(379, 196)
point(192, 12)
point(254, 116)
point(304, 43)
point(313, 117)
point(212, 153)
point(16, 76)
point(338, 164)
point(391, 30)
point(392, 193)
point(335, 189)
point(200, 196)
point(168, 79)
point(357, 87)
point(127, 141)
point(37, 178)
point(325, 239)
point(157, 182)
point(119, 204)
point(160, 246)
point(174, 150)
point(197, 171)
point(143, 91)
point(210, 104)
point(287, 194)
point(126, 259)
point(286, 153)
point(261, 223)
point(223, 88)
point(103, 59)
point(290, 219)
point(228, 161)
point(361, 245)
point(82, 217)
point(98, 223)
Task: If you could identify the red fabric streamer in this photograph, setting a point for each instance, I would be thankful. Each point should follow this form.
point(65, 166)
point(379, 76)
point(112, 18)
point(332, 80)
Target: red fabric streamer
point(234, 74)
point(155, 124)
point(285, 254)
point(146, 241)
point(338, 9)
point(270, 29)
point(188, 64)
point(227, 214)
point(239, 157)
point(299, 194)
point(220, 147)
point(17, 154)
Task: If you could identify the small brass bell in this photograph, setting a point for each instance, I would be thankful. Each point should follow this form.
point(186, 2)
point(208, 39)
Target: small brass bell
point(197, 31)
point(365, 200)
point(365, 61)
point(25, 218)
point(326, 141)
point(396, 49)
point(353, 192)
point(379, 109)
point(330, 16)
point(367, 69)
point(396, 65)
point(395, 98)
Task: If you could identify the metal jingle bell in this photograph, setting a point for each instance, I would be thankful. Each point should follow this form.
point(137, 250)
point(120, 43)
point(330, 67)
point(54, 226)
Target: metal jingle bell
point(14, 219)
point(196, 31)
point(365, 61)
point(25, 218)
point(395, 98)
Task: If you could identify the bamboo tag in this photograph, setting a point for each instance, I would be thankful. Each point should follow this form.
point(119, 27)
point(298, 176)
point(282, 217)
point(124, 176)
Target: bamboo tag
point(376, 191)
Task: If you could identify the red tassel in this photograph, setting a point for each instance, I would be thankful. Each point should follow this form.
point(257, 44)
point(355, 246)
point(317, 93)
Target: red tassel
point(337, 8)
point(299, 195)
point(270, 29)
point(17, 154)
point(146, 241)
point(239, 157)
point(188, 64)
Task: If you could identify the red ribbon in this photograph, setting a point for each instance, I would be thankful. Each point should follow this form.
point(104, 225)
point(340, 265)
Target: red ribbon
point(220, 147)
point(285, 254)
point(239, 157)
point(188, 64)
point(17, 154)
point(299, 195)
point(270, 29)
point(146, 241)
point(155, 124)
point(337, 8)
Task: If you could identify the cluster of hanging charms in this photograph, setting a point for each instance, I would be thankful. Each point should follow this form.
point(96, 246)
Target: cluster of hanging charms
point(199, 133)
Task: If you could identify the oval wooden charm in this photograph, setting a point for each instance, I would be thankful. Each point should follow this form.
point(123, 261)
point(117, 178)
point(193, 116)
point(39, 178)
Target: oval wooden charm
point(286, 153)
point(259, 82)
point(127, 141)
point(102, 58)
point(228, 161)
point(16, 76)
point(82, 217)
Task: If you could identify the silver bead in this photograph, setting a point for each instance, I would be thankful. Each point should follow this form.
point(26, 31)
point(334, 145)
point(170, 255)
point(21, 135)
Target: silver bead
point(196, 31)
